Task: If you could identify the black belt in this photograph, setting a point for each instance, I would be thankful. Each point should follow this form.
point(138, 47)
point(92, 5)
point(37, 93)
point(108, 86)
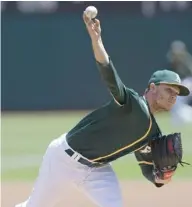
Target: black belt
point(82, 160)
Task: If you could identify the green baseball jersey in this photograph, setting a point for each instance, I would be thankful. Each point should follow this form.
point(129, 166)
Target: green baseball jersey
point(121, 126)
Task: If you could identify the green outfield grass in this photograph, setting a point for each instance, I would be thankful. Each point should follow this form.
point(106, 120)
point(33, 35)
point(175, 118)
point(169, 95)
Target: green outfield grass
point(25, 137)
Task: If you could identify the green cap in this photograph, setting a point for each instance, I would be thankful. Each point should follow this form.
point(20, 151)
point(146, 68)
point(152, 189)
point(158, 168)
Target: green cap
point(170, 78)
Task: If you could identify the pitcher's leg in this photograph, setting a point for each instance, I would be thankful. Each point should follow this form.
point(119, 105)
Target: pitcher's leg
point(51, 182)
point(102, 187)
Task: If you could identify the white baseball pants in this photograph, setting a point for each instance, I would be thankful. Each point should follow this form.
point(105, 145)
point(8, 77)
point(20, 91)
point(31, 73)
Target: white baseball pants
point(59, 170)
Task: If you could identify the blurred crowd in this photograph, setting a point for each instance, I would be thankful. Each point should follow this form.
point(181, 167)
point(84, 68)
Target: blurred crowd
point(147, 8)
point(180, 61)
point(178, 56)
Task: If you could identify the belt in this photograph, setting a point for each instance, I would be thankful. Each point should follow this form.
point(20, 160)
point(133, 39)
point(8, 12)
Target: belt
point(76, 156)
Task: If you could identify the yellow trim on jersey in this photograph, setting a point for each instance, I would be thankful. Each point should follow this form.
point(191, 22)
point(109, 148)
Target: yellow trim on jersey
point(139, 148)
point(145, 162)
point(126, 147)
point(116, 100)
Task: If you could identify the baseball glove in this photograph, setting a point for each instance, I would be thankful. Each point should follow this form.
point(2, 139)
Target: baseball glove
point(167, 153)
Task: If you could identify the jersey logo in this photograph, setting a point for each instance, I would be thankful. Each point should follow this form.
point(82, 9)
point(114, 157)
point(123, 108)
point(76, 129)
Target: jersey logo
point(146, 150)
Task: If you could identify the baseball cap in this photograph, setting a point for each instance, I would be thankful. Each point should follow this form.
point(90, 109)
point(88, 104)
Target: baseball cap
point(170, 78)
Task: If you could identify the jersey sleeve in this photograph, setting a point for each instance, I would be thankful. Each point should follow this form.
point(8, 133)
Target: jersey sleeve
point(113, 82)
point(144, 159)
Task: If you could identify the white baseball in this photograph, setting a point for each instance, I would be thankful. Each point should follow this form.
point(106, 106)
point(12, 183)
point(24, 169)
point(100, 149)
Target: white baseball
point(91, 12)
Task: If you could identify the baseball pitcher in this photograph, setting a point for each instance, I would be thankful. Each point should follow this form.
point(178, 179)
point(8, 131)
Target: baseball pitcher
point(124, 125)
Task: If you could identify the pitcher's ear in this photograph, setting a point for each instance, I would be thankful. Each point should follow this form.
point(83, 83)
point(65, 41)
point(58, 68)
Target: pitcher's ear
point(152, 87)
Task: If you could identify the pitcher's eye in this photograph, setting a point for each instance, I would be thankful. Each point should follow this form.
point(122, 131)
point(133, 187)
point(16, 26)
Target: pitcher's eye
point(171, 91)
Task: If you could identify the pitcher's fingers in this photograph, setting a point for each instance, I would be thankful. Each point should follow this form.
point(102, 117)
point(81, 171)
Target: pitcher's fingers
point(96, 28)
point(97, 22)
point(86, 19)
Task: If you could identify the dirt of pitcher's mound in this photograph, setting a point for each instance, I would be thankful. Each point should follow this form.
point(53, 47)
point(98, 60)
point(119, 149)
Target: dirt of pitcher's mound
point(135, 194)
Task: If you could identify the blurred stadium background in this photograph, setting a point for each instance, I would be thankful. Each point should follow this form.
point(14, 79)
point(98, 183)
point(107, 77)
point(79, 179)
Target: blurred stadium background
point(50, 80)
